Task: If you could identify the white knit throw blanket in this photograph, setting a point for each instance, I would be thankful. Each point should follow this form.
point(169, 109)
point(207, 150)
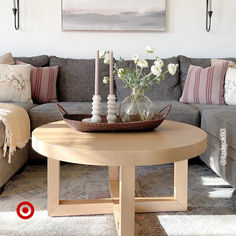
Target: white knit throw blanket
point(17, 128)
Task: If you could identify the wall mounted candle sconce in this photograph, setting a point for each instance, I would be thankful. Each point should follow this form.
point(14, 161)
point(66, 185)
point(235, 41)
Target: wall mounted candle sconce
point(16, 13)
point(209, 13)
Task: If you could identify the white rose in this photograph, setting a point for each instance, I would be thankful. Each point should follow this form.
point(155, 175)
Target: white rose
point(106, 80)
point(143, 63)
point(156, 70)
point(159, 63)
point(106, 60)
point(172, 68)
point(149, 49)
point(135, 58)
point(102, 54)
point(120, 73)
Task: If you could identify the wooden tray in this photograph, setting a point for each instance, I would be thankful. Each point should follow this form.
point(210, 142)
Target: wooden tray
point(75, 122)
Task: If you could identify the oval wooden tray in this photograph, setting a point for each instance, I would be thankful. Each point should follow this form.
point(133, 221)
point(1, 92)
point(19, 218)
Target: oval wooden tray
point(75, 122)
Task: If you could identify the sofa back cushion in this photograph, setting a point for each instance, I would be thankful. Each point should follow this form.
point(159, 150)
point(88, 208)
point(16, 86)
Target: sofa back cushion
point(169, 89)
point(185, 63)
point(76, 79)
point(38, 61)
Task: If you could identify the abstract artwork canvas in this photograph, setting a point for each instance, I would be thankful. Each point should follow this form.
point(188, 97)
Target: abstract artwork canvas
point(117, 15)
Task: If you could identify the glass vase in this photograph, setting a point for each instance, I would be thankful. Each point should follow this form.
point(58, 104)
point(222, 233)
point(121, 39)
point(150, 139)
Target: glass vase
point(136, 107)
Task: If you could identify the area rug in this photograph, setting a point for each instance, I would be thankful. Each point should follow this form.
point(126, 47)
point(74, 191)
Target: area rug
point(211, 211)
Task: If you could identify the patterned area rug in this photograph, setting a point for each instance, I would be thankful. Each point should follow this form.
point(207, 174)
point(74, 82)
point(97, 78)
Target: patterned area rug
point(212, 203)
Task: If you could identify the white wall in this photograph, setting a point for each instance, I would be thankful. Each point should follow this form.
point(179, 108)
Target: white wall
point(41, 33)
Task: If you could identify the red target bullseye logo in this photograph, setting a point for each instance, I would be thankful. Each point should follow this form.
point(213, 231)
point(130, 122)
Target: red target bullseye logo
point(25, 210)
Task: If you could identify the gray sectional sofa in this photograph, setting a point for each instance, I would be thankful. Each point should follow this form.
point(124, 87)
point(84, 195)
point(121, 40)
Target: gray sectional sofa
point(75, 88)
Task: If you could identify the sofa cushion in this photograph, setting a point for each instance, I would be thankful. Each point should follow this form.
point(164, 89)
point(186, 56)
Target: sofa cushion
point(25, 105)
point(38, 61)
point(214, 120)
point(76, 79)
point(48, 112)
point(180, 112)
point(169, 89)
point(203, 107)
point(185, 62)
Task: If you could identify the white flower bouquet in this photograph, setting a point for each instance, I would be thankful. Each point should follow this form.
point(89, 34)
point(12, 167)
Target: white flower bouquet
point(137, 78)
point(137, 106)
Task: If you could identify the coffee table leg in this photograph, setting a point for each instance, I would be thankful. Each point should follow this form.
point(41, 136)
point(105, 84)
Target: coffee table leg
point(181, 183)
point(127, 200)
point(113, 172)
point(53, 185)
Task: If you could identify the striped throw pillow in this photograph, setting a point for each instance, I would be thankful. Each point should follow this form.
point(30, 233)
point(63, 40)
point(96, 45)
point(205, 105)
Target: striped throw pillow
point(43, 83)
point(205, 85)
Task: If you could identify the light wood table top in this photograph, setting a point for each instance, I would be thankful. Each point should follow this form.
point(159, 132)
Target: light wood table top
point(171, 142)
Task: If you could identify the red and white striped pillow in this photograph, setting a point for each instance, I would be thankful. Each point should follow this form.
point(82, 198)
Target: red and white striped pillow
point(43, 83)
point(205, 85)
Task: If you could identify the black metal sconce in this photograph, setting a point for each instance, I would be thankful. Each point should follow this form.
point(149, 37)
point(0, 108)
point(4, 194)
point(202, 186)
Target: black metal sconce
point(209, 13)
point(16, 12)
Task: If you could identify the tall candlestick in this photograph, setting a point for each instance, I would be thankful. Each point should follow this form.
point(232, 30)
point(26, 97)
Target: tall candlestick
point(111, 74)
point(97, 73)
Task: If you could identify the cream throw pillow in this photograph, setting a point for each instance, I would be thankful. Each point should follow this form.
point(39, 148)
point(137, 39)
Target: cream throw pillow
point(215, 61)
point(7, 59)
point(15, 83)
point(230, 87)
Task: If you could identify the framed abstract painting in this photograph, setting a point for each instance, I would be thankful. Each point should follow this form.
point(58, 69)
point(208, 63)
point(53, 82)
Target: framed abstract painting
point(114, 15)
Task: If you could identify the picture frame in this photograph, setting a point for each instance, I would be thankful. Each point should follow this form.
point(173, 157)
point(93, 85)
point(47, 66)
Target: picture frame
point(106, 15)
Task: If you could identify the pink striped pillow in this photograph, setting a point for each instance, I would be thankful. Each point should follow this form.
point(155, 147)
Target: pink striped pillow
point(205, 85)
point(43, 83)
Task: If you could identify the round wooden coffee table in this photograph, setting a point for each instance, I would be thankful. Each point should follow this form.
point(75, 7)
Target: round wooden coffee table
point(171, 142)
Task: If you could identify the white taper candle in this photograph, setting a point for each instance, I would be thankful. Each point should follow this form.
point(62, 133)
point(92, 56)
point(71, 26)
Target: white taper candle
point(111, 74)
point(97, 73)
